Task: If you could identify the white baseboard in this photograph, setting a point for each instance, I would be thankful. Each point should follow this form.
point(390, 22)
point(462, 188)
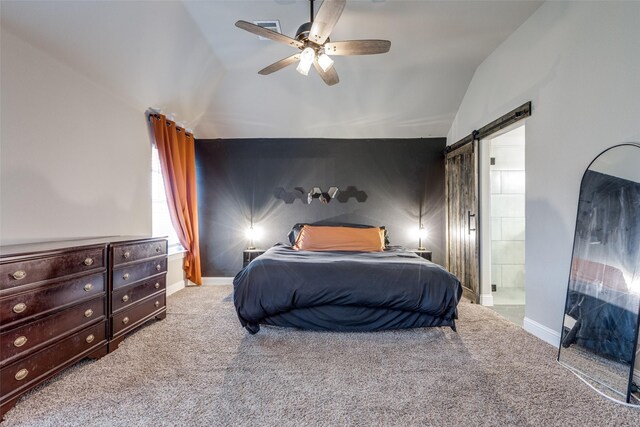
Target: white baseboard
point(547, 335)
point(175, 287)
point(217, 281)
point(486, 300)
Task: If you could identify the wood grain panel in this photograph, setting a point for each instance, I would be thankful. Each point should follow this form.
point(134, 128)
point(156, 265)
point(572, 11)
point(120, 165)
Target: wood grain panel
point(125, 297)
point(462, 217)
point(34, 335)
point(45, 300)
point(48, 360)
point(127, 320)
point(47, 268)
point(122, 254)
point(126, 275)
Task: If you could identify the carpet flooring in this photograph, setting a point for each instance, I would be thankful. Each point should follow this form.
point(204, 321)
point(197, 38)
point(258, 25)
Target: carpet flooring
point(198, 367)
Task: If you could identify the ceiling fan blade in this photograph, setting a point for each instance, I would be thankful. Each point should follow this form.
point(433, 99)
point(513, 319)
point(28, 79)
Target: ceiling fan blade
point(280, 64)
point(330, 76)
point(325, 20)
point(357, 47)
point(272, 35)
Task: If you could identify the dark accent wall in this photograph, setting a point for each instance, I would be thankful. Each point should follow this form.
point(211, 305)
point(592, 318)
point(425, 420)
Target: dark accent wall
point(240, 178)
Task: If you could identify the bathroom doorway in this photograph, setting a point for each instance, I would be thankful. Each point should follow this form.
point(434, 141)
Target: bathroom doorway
point(502, 161)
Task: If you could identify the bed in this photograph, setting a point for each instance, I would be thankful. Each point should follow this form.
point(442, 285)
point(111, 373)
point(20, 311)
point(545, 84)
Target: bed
point(602, 311)
point(345, 290)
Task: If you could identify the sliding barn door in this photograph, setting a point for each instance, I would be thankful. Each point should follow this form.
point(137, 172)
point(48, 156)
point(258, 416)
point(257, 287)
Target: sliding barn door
point(462, 217)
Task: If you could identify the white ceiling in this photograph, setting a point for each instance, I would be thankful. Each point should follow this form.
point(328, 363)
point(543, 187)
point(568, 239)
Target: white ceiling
point(188, 57)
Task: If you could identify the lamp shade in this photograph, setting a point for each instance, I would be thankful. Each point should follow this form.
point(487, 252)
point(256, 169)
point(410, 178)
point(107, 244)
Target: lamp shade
point(325, 62)
point(306, 59)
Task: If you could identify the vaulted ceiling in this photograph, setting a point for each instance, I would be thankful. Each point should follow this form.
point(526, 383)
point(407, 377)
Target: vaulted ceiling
point(187, 57)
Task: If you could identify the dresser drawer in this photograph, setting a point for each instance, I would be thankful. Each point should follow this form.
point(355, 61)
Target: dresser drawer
point(20, 273)
point(22, 306)
point(130, 318)
point(20, 374)
point(135, 252)
point(21, 340)
point(128, 274)
point(130, 295)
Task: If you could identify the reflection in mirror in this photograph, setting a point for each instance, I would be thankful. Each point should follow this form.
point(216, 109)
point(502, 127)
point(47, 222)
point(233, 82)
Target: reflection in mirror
point(600, 329)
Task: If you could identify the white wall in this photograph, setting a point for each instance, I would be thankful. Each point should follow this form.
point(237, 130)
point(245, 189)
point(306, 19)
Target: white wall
point(74, 158)
point(579, 64)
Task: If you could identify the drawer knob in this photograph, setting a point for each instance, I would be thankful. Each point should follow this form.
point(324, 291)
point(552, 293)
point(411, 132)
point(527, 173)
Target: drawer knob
point(19, 275)
point(125, 276)
point(88, 261)
point(158, 249)
point(88, 287)
point(125, 298)
point(19, 308)
point(127, 254)
point(20, 341)
point(158, 267)
point(157, 303)
point(88, 313)
point(125, 320)
point(157, 285)
point(21, 374)
point(90, 338)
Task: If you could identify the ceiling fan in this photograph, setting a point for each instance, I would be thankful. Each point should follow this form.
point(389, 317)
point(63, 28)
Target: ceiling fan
point(312, 38)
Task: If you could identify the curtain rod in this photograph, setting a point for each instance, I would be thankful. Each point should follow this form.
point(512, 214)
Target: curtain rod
point(151, 115)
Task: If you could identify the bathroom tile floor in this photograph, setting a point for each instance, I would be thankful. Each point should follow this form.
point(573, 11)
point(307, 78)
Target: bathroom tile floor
point(508, 296)
point(509, 303)
point(513, 313)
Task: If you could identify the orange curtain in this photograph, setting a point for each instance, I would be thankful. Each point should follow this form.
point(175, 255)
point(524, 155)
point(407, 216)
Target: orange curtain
point(176, 151)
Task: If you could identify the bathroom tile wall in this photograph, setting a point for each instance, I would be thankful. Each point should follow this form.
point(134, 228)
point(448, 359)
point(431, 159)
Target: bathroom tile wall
point(507, 211)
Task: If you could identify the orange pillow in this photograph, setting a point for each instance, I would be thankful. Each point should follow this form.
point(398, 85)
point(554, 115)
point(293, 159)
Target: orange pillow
point(315, 238)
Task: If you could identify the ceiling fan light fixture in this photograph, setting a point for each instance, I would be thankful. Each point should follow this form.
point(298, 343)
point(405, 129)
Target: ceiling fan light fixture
point(303, 68)
point(306, 59)
point(325, 62)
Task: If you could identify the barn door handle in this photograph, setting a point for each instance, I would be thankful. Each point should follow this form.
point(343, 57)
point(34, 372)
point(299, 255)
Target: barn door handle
point(469, 215)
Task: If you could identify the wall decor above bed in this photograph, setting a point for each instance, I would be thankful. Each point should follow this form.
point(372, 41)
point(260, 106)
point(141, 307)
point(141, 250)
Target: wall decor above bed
point(341, 195)
point(324, 197)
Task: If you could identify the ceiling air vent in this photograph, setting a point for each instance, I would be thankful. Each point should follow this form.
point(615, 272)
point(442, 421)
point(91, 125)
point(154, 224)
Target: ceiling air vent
point(273, 25)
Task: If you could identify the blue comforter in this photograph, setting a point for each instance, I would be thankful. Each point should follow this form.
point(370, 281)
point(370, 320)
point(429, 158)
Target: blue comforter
point(361, 290)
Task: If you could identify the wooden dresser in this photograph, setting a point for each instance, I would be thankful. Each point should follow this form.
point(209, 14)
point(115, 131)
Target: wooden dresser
point(63, 301)
point(137, 285)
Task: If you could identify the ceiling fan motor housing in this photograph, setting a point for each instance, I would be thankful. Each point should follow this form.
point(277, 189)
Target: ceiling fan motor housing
point(303, 32)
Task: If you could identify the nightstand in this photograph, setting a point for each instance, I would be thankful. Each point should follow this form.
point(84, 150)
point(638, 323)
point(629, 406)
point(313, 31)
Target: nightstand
point(249, 255)
point(422, 253)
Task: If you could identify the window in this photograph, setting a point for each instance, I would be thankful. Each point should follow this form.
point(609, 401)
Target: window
point(161, 220)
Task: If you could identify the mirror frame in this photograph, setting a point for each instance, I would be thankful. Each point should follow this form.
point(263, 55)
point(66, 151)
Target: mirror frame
point(562, 330)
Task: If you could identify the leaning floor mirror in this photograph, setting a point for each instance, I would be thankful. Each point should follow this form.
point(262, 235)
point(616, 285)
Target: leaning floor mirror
point(599, 339)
